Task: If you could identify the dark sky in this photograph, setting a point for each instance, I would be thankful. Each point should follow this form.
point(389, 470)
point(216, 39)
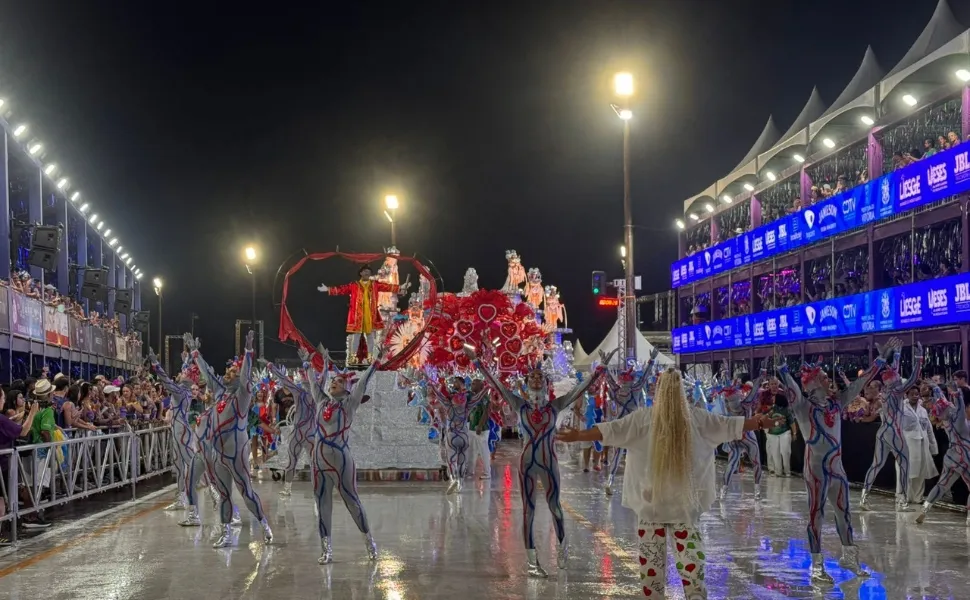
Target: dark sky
point(197, 128)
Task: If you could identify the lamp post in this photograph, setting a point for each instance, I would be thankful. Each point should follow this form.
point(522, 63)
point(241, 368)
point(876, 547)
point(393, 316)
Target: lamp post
point(157, 283)
point(390, 205)
point(623, 88)
point(251, 268)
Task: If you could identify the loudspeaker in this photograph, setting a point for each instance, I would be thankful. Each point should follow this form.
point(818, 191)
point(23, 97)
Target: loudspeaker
point(43, 258)
point(46, 237)
point(97, 293)
point(95, 277)
point(123, 301)
point(141, 317)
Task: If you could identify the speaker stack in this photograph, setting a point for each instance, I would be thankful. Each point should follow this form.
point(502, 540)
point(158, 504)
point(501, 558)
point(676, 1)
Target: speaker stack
point(45, 245)
point(94, 286)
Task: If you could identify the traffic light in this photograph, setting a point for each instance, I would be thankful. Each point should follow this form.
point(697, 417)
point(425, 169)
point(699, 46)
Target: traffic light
point(599, 282)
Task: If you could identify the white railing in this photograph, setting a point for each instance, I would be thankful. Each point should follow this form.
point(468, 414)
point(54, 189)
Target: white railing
point(85, 464)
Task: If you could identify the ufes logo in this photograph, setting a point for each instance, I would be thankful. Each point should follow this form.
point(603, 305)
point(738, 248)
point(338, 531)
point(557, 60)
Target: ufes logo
point(936, 299)
point(936, 175)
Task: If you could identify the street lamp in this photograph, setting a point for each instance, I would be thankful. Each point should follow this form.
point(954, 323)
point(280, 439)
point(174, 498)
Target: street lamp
point(250, 253)
point(623, 88)
point(157, 283)
point(390, 205)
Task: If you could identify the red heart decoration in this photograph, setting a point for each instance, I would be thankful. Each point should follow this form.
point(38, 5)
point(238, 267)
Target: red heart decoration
point(640, 532)
point(647, 591)
point(690, 568)
point(680, 535)
point(456, 343)
point(487, 313)
point(464, 328)
point(661, 532)
point(643, 561)
point(506, 360)
point(680, 547)
point(509, 329)
point(651, 572)
point(514, 346)
point(685, 582)
point(461, 360)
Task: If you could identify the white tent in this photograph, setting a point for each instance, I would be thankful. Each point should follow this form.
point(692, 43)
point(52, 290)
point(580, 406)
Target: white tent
point(612, 341)
point(579, 354)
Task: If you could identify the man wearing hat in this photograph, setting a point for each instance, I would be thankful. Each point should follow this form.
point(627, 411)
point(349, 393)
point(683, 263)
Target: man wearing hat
point(42, 431)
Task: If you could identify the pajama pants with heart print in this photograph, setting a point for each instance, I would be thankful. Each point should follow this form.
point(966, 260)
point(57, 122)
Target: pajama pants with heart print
point(688, 549)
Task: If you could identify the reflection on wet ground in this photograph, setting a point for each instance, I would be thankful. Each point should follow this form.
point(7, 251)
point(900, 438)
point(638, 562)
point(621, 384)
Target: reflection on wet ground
point(470, 547)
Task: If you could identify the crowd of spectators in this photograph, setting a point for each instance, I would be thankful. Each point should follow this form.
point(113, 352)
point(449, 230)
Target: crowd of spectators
point(931, 252)
point(930, 147)
point(23, 283)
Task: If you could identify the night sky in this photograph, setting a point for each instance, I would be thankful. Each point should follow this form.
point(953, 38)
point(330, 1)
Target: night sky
point(196, 129)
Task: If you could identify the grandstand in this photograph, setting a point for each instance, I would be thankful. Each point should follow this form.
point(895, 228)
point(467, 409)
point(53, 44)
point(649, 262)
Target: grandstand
point(846, 228)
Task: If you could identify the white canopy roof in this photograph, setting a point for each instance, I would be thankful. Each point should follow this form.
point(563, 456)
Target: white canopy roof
point(611, 341)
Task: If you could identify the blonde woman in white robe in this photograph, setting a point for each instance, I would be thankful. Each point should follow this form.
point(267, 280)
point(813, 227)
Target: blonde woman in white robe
point(921, 443)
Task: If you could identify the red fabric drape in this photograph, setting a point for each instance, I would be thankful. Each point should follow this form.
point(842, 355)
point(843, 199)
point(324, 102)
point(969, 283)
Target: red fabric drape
point(289, 330)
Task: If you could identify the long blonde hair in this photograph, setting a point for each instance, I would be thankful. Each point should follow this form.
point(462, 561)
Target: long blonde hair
point(670, 437)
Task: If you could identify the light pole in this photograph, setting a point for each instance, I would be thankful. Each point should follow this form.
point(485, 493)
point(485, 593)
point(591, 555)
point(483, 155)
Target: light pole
point(390, 205)
point(157, 283)
point(251, 268)
point(623, 87)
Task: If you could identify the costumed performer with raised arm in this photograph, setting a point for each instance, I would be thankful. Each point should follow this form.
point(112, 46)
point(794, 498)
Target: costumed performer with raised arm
point(889, 437)
point(669, 479)
point(301, 435)
point(189, 464)
point(457, 405)
point(625, 391)
point(363, 318)
point(819, 415)
point(956, 460)
point(741, 401)
point(227, 458)
point(333, 464)
point(537, 412)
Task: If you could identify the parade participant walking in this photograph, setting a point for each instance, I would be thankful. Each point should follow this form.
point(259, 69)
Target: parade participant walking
point(538, 412)
point(669, 479)
point(457, 405)
point(301, 434)
point(956, 461)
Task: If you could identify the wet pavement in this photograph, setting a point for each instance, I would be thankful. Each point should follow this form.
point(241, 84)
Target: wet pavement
point(470, 547)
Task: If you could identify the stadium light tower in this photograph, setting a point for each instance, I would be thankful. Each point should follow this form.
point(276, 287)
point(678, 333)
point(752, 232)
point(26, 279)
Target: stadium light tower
point(623, 88)
point(157, 285)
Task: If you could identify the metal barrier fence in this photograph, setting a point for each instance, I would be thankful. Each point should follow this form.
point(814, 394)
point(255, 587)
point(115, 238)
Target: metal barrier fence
point(56, 473)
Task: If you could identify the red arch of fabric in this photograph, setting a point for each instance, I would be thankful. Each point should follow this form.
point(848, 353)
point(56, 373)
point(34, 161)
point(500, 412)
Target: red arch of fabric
point(289, 330)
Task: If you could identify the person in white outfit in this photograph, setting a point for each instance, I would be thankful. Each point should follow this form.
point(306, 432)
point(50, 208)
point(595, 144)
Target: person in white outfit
point(921, 443)
point(669, 478)
point(778, 442)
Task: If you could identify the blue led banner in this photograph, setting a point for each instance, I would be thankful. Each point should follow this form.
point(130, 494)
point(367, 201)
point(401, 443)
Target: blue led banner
point(933, 303)
point(940, 176)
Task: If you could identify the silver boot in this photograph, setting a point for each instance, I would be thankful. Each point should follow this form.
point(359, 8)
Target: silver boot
point(864, 501)
point(267, 532)
point(451, 485)
point(922, 513)
point(535, 569)
point(609, 486)
point(818, 570)
point(225, 540)
point(287, 489)
point(458, 486)
point(236, 518)
point(902, 504)
point(191, 517)
point(723, 492)
point(850, 561)
point(326, 556)
point(562, 555)
point(371, 546)
point(757, 492)
point(179, 503)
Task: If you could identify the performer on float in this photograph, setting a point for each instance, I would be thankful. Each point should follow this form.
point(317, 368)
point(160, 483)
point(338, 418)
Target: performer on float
point(625, 390)
point(363, 318)
point(457, 405)
point(554, 311)
point(537, 412)
point(889, 436)
point(819, 415)
point(227, 460)
point(189, 464)
point(741, 402)
point(388, 273)
point(333, 462)
point(956, 461)
point(534, 292)
point(516, 273)
point(470, 283)
point(301, 436)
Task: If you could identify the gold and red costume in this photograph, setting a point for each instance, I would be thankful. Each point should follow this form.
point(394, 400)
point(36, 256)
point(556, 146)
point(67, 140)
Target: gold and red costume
point(363, 317)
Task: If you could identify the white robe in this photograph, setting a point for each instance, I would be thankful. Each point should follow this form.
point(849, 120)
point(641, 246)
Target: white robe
point(921, 444)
